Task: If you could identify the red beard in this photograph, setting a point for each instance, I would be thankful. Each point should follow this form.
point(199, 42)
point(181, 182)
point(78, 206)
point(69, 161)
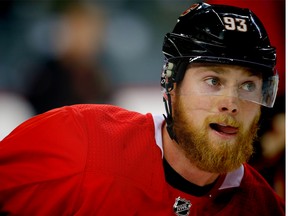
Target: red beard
point(220, 156)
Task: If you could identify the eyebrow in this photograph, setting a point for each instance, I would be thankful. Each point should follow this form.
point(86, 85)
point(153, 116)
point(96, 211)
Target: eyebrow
point(222, 69)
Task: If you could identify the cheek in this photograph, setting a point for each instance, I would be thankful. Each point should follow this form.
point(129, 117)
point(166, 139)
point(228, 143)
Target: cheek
point(249, 113)
point(195, 108)
point(196, 102)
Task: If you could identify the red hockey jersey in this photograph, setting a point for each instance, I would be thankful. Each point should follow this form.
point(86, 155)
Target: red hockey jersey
point(104, 160)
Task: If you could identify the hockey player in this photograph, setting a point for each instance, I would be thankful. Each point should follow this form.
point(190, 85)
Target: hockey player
point(103, 160)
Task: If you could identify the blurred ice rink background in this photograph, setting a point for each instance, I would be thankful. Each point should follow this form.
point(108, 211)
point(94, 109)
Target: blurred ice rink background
point(125, 39)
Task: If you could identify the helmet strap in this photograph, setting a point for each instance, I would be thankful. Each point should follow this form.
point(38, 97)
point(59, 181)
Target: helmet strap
point(169, 118)
point(169, 77)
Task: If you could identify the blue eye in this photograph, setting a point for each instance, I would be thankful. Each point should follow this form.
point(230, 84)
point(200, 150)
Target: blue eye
point(213, 81)
point(248, 86)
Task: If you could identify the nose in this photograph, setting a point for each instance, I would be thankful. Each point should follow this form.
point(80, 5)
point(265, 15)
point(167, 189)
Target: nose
point(228, 105)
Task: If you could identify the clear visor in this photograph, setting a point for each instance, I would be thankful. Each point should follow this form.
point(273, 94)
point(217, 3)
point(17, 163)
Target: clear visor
point(256, 90)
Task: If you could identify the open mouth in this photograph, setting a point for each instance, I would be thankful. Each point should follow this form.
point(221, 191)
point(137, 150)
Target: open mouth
point(224, 129)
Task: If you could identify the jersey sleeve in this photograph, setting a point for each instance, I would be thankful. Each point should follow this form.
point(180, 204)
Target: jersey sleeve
point(41, 164)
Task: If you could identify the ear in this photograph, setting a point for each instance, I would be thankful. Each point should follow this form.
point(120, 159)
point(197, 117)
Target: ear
point(172, 92)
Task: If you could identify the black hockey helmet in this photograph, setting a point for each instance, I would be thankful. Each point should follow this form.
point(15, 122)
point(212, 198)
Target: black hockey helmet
point(219, 34)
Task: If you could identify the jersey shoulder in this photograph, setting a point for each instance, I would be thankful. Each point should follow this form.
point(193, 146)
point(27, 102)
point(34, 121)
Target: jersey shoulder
point(255, 187)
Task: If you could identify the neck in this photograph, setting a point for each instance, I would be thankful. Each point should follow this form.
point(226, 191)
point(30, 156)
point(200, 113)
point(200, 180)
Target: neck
point(182, 165)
